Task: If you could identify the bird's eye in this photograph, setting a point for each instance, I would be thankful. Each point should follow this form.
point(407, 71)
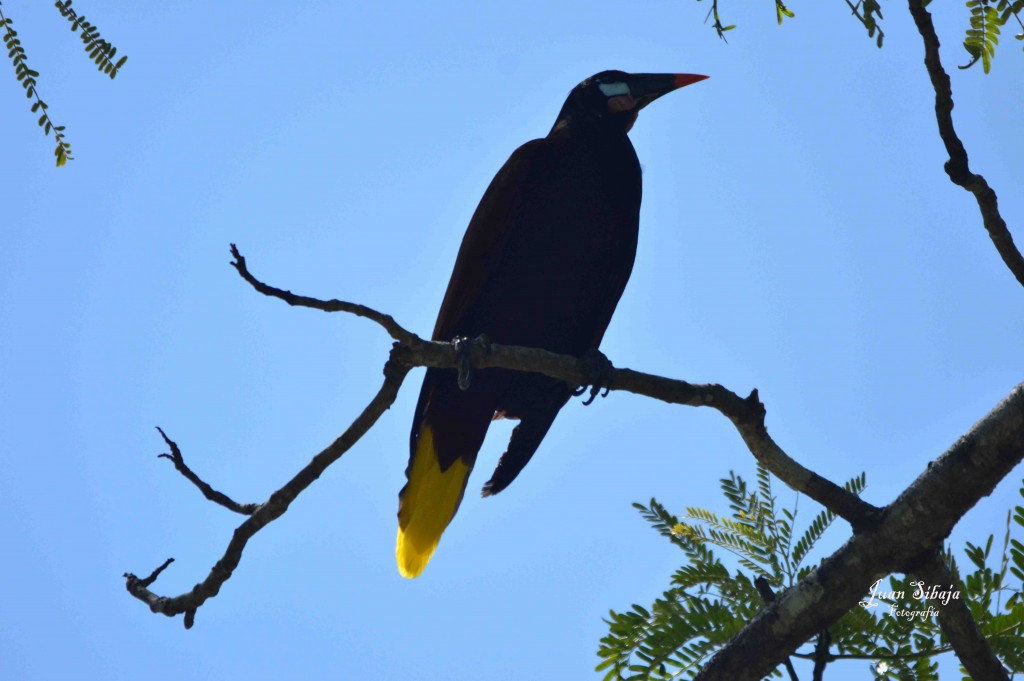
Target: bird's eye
point(614, 89)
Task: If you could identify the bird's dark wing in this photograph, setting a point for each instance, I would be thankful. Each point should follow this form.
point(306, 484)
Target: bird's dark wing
point(449, 425)
point(488, 231)
point(479, 255)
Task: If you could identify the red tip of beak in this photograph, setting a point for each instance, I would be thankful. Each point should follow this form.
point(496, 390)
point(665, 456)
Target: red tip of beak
point(683, 79)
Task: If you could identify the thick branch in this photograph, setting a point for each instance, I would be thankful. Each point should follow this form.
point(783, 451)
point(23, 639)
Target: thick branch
point(957, 166)
point(911, 528)
point(959, 626)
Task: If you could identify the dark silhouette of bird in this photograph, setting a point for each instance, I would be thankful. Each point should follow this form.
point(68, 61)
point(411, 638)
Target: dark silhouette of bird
point(543, 264)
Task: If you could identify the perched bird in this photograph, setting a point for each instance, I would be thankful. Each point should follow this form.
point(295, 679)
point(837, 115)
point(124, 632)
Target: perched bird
point(543, 264)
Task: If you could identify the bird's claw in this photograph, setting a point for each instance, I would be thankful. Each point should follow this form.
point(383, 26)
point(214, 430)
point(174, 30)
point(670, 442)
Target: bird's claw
point(461, 344)
point(600, 369)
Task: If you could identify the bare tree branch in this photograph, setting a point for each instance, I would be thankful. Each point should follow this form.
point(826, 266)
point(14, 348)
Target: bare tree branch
point(384, 320)
point(746, 414)
point(957, 167)
point(959, 626)
point(272, 509)
point(885, 540)
point(208, 492)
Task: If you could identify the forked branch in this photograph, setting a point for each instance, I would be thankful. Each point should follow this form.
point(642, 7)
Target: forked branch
point(873, 527)
point(271, 510)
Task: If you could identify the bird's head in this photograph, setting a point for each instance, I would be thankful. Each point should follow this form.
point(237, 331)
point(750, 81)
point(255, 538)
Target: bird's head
point(611, 100)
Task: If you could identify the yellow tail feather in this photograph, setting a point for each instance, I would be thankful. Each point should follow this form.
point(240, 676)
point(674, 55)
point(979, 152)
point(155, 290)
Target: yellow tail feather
point(428, 505)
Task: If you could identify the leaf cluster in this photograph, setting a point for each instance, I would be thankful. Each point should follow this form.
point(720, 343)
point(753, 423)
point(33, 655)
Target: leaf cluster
point(986, 22)
point(780, 11)
point(987, 19)
point(709, 600)
point(27, 77)
point(868, 13)
point(99, 50)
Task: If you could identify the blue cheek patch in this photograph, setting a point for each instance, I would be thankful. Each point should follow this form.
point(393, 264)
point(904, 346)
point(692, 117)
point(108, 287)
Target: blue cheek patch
point(614, 89)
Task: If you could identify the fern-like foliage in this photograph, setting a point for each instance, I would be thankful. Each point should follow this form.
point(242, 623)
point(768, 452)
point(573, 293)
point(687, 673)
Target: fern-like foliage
point(822, 522)
point(27, 77)
point(987, 19)
point(100, 51)
point(708, 600)
point(705, 606)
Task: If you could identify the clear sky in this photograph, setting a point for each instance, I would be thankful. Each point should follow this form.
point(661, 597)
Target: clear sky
point(798, 235)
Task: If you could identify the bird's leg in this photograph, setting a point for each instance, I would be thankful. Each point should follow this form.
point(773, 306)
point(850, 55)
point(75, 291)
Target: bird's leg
point(462, 346)
point(600, 369)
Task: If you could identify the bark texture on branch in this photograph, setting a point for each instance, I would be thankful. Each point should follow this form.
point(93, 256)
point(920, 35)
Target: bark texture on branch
point(911, 528)
point(959, 626)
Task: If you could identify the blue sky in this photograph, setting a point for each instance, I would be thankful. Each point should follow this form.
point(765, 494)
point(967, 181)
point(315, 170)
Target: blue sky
point(798, 235)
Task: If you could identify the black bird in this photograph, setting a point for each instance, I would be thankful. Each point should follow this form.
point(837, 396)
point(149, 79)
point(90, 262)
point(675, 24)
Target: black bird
point(543, 264)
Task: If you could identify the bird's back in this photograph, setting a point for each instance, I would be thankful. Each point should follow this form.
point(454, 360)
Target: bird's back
point(560, 253)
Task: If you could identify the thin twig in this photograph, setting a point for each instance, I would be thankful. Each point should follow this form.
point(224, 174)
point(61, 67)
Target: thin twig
point(821, 655)
point(208, 492)
point(879, 656)
point(275, 507)
point(386, 321)
point(146, 581)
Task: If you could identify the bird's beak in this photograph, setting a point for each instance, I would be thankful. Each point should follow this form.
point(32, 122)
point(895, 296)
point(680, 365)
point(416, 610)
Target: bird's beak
point(647, 87)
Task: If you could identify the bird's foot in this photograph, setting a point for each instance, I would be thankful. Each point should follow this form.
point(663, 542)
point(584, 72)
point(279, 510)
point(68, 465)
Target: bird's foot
point(600, 369)
point(463, 345)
